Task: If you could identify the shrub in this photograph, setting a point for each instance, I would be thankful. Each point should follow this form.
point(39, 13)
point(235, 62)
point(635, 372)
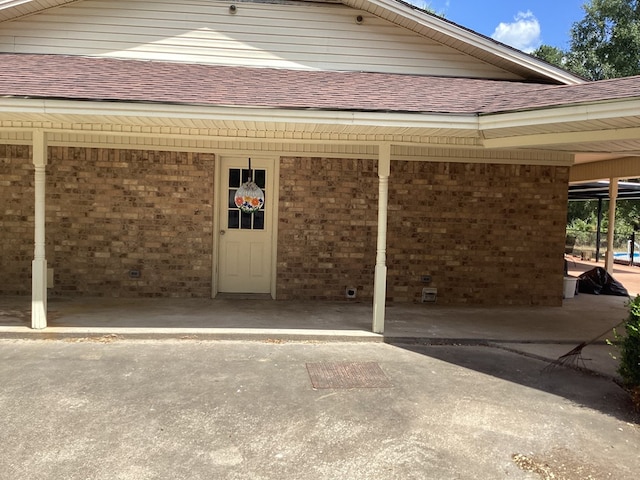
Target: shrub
point(629, 367)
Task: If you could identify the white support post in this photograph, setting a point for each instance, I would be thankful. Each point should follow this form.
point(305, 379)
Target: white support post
point(380, 280)
point(39, 264)
point(613, 195)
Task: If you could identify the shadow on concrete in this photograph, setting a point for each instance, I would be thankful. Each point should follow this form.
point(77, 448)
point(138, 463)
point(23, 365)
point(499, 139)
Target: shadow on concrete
point(585, 388)
point(464, 336)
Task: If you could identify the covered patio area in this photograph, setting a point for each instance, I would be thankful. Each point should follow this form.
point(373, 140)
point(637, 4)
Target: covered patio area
point(582, 316)
point(543, 332)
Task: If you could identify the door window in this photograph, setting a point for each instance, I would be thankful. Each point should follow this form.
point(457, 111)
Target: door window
point(236, 219)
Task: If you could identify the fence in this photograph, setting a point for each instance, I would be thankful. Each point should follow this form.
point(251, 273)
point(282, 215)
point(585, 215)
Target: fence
point(586, 245)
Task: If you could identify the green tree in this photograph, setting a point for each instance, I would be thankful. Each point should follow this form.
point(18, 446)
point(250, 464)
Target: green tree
point(606, 42)
point(582, 218)
point(552, 55)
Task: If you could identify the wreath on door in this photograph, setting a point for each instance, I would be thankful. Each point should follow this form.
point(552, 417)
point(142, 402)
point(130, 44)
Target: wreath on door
point(249, 197)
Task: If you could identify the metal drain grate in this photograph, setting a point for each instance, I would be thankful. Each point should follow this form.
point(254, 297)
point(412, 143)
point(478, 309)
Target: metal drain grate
point(347, 375)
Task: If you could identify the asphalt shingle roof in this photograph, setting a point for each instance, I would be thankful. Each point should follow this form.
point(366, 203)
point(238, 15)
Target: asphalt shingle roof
point(108, 79)
point(550, 96)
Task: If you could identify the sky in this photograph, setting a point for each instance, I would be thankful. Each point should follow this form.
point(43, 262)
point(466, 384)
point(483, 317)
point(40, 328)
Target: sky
point(523, 24)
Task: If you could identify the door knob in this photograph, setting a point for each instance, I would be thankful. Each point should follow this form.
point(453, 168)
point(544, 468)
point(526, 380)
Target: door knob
point(222, 232)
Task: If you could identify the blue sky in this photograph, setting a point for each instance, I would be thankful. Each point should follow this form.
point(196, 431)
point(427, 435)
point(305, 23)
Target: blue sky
point(523, 24)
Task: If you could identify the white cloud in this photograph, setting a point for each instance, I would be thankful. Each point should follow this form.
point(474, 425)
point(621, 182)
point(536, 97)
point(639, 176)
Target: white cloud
point(523, 33)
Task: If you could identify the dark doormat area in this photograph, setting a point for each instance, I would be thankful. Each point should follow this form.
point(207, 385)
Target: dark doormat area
point(347, 375)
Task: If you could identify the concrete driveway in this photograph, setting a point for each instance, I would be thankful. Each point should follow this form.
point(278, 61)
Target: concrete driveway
point(106, 408)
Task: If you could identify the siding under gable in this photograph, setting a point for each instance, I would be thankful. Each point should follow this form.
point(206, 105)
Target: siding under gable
point(284, 35)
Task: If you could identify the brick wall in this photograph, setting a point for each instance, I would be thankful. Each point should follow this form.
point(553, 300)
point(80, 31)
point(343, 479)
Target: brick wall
point(113, 211)
point(16, 219)
point(327, 228)
point(487, 234)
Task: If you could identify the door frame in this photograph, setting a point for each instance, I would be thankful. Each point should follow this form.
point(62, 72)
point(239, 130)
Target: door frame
point(219, 187)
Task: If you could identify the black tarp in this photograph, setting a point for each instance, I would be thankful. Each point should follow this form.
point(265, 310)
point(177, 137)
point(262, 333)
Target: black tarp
point(598, 282)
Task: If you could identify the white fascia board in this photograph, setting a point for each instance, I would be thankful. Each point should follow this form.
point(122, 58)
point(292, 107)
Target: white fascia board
point(5, 4)
point(564, 138)
point(240, 114)
point(37, 6)
point(561, 114)
point(469, 37)
point(493, 123)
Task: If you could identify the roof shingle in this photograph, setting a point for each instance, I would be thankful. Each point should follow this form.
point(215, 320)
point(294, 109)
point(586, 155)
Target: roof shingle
point(108, 79)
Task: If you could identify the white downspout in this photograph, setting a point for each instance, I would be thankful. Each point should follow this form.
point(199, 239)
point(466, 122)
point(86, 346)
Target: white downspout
point(380, 280)
point(613, 195)
point(39, 264)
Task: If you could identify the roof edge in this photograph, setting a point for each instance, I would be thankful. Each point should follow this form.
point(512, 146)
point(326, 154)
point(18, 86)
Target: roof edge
point(564, 113)
point(57, 106)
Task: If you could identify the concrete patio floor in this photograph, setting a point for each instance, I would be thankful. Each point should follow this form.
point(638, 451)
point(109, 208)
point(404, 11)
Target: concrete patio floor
point(542, 332)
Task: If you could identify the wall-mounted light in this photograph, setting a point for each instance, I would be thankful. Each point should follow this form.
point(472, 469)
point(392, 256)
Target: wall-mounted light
point(233, 9)
point(359, 19)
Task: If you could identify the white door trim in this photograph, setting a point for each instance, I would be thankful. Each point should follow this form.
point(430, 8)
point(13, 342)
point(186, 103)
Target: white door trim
point(215, 234)
point(274, 224)
point(219, 187)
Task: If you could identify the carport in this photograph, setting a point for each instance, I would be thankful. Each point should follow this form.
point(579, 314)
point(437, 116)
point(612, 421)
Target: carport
point(611, 190)
point(600, 191)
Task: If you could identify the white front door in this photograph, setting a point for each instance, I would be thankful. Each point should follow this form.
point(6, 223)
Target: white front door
point(245, 240)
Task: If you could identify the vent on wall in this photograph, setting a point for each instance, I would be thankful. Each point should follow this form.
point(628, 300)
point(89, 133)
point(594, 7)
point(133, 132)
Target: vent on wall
point(429, 295)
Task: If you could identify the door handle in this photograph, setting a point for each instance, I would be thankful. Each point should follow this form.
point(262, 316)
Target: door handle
point(222, 232)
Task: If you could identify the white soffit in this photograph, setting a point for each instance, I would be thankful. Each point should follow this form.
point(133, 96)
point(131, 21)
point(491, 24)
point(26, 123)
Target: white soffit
point(613, 109)
point(12, 9)
point(106, 114)
point(613, 120)
point(602, 128)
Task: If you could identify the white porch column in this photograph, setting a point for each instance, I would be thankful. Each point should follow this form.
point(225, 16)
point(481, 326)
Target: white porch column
point(39, 264)
point(380, 280)
point(613, 195)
